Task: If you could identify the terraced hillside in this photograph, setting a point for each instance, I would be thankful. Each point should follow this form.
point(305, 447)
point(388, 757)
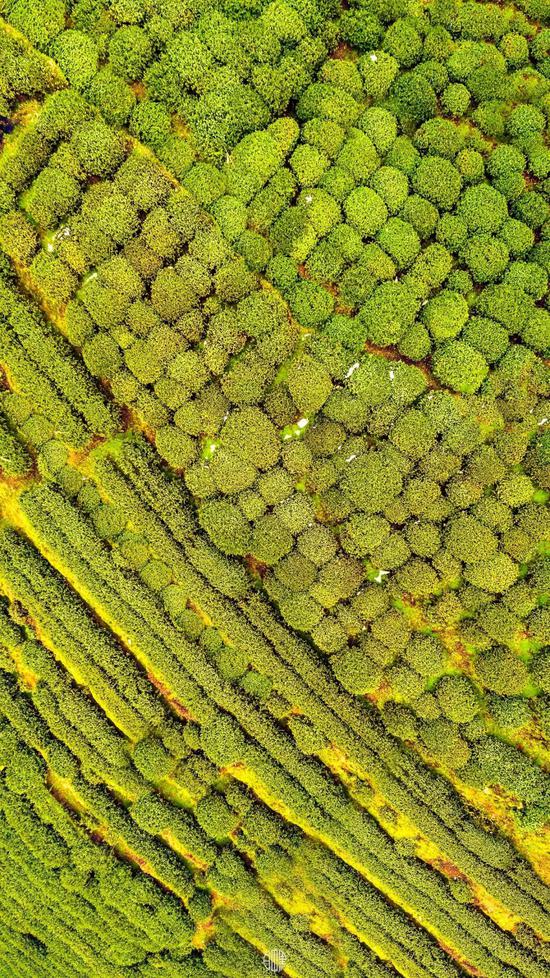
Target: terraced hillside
point(274, 473)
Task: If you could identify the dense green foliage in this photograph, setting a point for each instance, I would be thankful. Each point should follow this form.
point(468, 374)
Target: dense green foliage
point(274, 474)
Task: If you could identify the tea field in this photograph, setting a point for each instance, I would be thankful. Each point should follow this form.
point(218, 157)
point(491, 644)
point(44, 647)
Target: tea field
point(274, 482)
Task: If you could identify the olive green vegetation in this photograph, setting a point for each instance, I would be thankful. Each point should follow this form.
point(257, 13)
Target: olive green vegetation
point(274, 474)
